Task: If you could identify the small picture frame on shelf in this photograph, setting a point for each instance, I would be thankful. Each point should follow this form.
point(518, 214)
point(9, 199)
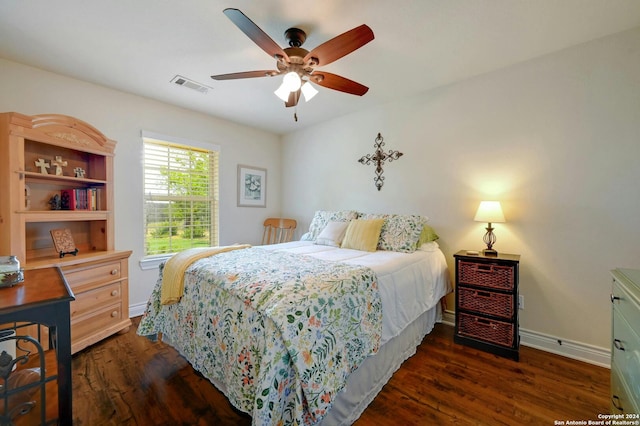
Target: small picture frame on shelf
point(63, 241)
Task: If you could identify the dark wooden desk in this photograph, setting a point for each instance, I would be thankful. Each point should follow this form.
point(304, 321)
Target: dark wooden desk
point(44, 298)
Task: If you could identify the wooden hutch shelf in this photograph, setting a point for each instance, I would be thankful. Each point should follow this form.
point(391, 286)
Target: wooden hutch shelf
point(40, 157)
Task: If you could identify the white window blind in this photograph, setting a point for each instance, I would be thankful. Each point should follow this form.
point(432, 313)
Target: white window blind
point(180, 196)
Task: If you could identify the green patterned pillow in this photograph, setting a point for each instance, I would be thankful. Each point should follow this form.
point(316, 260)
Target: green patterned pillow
point(399, 232)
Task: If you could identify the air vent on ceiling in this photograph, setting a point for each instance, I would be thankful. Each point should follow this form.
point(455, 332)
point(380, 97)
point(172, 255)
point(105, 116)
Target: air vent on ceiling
point(183, 81)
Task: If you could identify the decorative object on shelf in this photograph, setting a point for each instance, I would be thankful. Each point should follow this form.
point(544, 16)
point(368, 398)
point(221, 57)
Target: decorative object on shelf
point(55, 202)
point(252, 186)
point(79, 172)
point(63, 241)
point(490, 212)
point(378, 158)
point(27, 197)
point(58, 163)
point(10, 271)
point(43, 166)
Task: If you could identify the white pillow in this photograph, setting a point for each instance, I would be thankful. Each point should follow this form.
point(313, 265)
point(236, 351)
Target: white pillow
point(332, 234)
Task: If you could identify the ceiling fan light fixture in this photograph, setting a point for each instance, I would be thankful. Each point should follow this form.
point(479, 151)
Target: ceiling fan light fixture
point(282, 92)
point(308, 91)
point(292, 81)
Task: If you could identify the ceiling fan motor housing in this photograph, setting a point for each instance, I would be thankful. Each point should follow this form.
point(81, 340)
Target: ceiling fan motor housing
point(295, 37)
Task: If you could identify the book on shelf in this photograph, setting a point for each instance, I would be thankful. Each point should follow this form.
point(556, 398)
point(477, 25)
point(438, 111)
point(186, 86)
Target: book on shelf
point(81, 199)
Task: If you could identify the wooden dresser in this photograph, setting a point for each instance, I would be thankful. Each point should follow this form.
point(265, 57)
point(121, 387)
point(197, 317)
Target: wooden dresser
point(487, 302)
point(625, 342)
point(44, 156)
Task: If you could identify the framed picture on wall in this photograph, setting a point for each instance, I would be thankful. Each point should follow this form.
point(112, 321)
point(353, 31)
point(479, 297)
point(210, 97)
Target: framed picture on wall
point(252, 186)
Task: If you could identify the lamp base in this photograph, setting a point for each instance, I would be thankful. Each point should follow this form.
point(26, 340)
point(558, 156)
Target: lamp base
point(489, 252)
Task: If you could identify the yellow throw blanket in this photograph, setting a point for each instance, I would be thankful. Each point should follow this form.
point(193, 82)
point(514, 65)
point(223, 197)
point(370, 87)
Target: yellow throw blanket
point(174, 269)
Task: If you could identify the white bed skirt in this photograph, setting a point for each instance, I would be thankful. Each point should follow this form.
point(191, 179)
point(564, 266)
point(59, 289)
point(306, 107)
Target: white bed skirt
point(367, 381)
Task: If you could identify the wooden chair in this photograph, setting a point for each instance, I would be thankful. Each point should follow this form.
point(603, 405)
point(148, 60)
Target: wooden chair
point(278, 230)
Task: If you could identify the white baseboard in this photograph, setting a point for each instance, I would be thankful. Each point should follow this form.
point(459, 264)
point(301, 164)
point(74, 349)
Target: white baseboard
point(574, 350)
point(449, 318)
point(137, 310)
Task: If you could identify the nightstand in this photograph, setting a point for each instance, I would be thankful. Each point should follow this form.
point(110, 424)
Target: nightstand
point(487, 302)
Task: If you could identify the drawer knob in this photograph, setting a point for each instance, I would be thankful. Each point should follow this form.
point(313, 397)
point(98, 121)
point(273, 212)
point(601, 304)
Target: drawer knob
point(114, 314)
point(114, 272)
point(618, 344)
point(615, 400)
point(114, 293)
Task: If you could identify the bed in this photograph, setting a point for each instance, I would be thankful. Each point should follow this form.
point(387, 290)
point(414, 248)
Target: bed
point(306, 332)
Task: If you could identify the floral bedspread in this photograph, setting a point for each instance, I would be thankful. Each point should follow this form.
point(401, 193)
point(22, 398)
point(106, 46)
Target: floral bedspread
point(280, 331)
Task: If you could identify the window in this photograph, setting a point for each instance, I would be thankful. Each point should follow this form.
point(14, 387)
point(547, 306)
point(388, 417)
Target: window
point(180, 195)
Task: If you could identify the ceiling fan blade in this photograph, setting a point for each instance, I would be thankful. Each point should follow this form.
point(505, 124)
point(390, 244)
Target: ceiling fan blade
point(294, 97)
point(336, 82)
point(245, 74)
point(256, 34)
point(341, 45)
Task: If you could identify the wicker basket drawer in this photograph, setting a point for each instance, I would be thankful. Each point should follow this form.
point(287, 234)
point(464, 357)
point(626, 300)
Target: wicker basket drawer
point(498, 332)
point(486, 275)
point(488, 302)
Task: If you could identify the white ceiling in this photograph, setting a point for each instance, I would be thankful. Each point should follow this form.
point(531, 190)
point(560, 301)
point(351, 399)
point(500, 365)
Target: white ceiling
point(138, 46)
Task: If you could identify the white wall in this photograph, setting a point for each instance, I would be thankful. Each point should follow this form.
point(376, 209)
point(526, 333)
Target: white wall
point(556, 139)
point(121, 117)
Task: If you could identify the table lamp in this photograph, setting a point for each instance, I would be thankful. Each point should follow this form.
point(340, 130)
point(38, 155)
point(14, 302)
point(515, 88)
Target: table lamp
point(489, 212)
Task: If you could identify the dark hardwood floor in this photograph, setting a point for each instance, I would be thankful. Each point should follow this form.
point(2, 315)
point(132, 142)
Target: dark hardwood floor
point(128, 380)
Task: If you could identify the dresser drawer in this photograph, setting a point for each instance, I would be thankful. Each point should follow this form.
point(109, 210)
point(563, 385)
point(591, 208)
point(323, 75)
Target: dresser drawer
point(91, 300)
point(625, 303)
point(621, 402)
point(498, 332)
point(96, 321)
point(487, 302)
point(87, 276)
point(489, 275)
point(625, 354)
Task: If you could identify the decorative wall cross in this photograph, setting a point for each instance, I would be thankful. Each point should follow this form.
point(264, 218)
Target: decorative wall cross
point(59, 164)
point(378, 158)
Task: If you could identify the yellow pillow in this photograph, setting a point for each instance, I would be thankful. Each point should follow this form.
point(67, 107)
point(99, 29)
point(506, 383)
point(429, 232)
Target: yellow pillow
point(363, 234)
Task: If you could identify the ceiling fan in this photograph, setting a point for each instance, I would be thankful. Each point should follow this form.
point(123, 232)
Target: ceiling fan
point(298, 65)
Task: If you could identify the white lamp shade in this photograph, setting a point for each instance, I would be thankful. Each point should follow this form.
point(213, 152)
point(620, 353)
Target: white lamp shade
point(283, 92)
point(308, 91)
point(489, 212)
point(292, 81)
